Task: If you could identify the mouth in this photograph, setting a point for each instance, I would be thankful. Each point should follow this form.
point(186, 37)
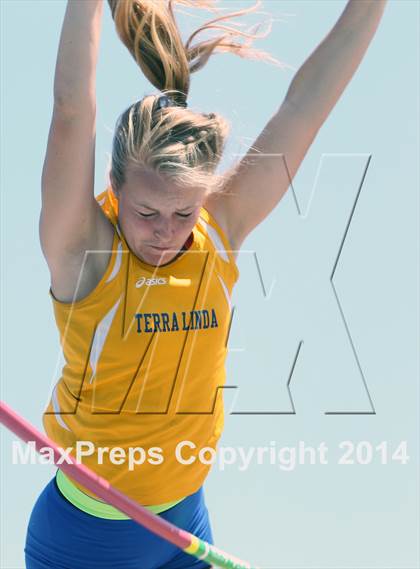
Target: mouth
point(168, 248)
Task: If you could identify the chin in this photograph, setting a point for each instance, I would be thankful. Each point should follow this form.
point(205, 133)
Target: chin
point(154, 257)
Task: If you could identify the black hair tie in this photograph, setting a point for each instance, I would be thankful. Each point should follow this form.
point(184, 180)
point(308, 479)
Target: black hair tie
point(165, 101)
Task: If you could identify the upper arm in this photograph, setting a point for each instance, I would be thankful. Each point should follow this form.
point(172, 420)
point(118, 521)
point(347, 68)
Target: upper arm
point(262, 177)
point(71, 219)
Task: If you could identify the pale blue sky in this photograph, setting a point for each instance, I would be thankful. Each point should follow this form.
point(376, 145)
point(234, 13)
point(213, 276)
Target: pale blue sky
point(358, 339)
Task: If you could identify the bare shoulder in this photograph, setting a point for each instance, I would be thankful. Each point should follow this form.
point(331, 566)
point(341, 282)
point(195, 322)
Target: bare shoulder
point(216, 205)
point(74, 274)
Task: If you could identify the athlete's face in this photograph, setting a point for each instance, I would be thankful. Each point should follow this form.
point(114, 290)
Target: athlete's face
point(156, 216)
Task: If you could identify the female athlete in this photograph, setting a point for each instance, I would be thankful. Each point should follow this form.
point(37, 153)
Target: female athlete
point(142, 275)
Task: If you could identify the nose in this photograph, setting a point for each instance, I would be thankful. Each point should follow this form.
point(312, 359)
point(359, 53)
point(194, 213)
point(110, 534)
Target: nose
point(163, 232)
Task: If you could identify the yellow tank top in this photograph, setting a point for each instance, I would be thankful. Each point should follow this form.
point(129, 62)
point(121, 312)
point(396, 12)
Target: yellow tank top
point(145, 364)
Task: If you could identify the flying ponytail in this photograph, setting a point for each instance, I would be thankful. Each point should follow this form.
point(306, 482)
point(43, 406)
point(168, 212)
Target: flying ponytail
point(173, 140)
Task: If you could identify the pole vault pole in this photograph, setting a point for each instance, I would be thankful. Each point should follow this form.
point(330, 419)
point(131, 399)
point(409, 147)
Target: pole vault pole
point(102, 488)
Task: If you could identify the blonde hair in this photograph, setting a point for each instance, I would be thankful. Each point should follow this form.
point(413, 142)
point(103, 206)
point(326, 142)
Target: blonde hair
point(172, 141)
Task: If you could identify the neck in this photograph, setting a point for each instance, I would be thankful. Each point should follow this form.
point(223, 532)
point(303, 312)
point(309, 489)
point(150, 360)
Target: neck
point(188, 242)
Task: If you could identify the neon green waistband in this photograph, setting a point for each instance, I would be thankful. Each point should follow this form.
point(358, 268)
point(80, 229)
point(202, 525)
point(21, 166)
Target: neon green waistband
point(96, 507)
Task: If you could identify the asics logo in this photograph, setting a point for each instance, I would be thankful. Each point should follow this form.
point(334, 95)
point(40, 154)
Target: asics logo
point(151, 282)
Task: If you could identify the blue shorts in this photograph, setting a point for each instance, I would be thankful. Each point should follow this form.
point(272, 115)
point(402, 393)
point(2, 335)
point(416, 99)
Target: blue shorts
point(61, 536)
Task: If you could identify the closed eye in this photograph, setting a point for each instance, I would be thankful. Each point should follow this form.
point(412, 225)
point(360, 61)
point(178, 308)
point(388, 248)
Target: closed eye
point(152, 214)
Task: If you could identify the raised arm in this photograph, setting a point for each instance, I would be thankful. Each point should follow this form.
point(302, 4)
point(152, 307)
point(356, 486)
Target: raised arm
point(265, 173)
point(71, 220)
